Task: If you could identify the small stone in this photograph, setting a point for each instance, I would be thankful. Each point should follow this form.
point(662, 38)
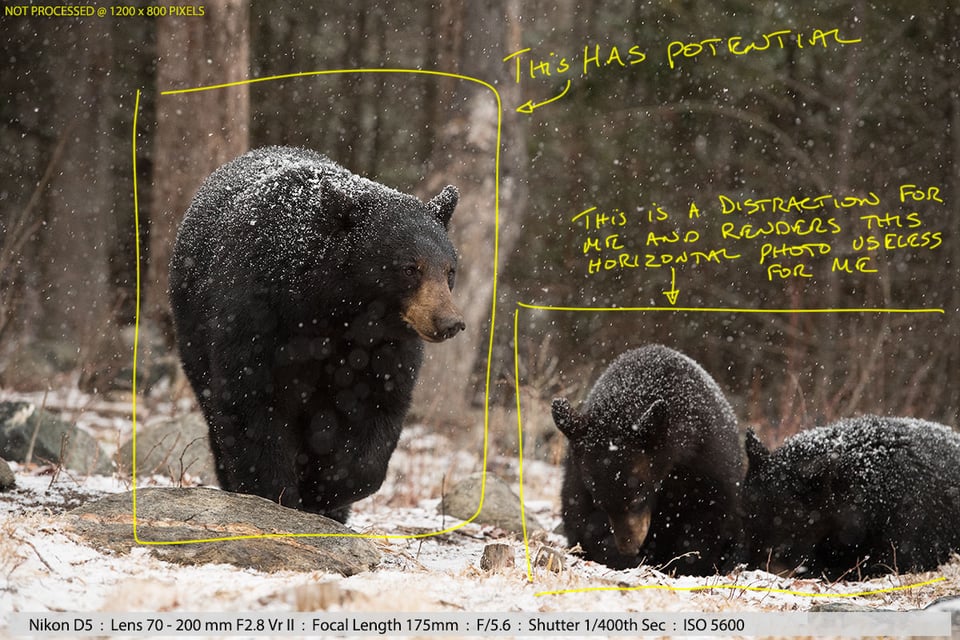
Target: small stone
point(839, 606)
point(501, 506)
point(320, 596)
point(497, 557)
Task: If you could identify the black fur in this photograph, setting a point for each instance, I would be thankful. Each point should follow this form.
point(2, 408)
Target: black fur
point(655, 436)
point(292, 287)
point(864, 496)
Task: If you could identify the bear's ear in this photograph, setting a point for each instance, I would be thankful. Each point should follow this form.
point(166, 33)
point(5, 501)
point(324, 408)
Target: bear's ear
point(757, 453)
point(444, 203)
point(570, 423)
point(337, 204)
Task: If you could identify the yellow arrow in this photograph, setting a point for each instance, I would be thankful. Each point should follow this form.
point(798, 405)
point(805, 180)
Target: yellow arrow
point(530, 105)
point(673, 292)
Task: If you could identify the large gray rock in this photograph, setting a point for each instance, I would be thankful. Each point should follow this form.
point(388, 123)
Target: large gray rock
point(501, 506)
point(172, 448)
point(56, 441)
point(194, 514)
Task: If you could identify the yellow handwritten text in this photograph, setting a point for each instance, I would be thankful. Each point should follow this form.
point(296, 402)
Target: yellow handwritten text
point(622, 261)
point(811, 249)
point(890, 241)
point(862, 265)
point(715, 256)
point(802, 227)
point(929, 193)
point(891, 220)
point(794, 204)
point(779, 271)
point(529, 64)
point(595, 220)
point(735, 45)
point(593, 57)
point(774, 238)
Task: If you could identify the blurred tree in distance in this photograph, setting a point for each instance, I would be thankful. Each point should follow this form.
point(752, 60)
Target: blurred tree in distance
point(780, 122)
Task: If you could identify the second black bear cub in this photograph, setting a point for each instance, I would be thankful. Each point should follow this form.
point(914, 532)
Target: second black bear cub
point(302, 294)
point(654, 466)
point(863, 496)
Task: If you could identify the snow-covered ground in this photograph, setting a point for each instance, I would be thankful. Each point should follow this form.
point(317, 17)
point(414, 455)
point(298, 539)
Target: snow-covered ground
point(43, 567)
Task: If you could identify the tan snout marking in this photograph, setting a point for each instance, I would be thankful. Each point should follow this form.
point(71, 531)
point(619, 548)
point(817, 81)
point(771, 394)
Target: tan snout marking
point(630, 528)
point(630, 531)
point(431, 312)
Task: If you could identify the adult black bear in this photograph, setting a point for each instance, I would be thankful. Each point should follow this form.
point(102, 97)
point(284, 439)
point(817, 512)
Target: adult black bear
point(301, 294)
point(860, 497)
point(654, 466)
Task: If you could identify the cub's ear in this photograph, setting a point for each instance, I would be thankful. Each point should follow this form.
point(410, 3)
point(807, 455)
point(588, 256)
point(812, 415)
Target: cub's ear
point(570, 423)
point(444, 203)
point(337, 205)
point(757, 453)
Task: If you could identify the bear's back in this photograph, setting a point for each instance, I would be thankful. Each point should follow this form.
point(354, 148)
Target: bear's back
point(639, 377)
point(883, 463)
point(882, 488)
point(279, 189)
point(265, 210)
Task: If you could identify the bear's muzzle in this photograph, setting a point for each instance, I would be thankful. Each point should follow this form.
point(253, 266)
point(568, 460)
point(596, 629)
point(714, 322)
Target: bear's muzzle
point(431, 312)
point(630, 531)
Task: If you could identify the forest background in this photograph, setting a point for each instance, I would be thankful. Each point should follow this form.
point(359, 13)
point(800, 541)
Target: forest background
point(870, 107)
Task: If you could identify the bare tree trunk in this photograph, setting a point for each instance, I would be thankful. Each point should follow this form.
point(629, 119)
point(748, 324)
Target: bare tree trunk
point(196, 132)
point(79, 222)
point(464, 154)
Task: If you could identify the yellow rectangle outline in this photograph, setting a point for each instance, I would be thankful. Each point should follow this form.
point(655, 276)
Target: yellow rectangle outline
point(704, 587)
point(496, 245)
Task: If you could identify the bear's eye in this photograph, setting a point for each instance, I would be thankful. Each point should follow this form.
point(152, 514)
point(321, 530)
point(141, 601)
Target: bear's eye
point(411, 271)
point(451, 277)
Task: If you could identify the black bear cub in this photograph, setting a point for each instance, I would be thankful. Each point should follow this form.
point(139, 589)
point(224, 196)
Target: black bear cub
point(654, 466)
point(301, 294)
point(861, 497)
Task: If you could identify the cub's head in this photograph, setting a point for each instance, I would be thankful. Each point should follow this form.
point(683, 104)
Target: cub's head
point(789, 503)
point(618, 467)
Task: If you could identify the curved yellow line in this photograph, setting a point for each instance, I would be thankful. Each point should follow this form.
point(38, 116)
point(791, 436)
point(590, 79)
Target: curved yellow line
point(496, 249)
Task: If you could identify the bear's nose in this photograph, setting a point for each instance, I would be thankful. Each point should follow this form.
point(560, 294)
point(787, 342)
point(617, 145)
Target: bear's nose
point(449, 328)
